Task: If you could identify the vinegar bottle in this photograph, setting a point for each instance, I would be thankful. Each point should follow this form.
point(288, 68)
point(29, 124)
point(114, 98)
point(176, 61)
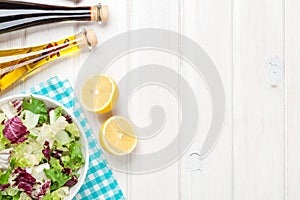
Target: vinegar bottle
point(17, 64)
point(15, 15)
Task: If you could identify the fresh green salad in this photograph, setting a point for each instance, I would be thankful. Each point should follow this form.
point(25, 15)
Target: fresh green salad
point(40, 152)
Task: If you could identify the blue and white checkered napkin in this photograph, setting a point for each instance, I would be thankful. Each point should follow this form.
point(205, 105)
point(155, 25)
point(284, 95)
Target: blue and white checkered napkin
point(99, 182)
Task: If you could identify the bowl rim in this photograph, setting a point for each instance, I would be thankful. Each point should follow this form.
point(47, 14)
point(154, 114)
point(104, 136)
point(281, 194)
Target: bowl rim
point(83, 138)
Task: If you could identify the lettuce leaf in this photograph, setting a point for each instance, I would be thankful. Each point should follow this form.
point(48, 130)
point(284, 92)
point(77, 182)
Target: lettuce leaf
point(11, 194)
point(4, 177)
point(58, 179)
point(4, 197)
point(37, 107)
point(59, 194)
point(17, 196)
point(55, 114)
point(27, 154)
point(2, 118)
point(38, 172)
point(59, 125)
point(29, 119)
point(73, 130)
point(62, 138)
point(9, 110)
point(54, 132)
point(47, 196)
point(74, 160)
point(4, 142)
point(24, 196)
point(59, 176)
point(11, 191)
point(45, 134)
point(55, 164)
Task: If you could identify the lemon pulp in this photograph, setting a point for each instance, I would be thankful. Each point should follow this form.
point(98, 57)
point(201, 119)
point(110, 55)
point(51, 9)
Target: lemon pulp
point(99, 93)
point(117, 136)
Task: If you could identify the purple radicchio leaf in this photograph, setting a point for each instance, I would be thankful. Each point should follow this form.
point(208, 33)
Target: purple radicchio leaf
point(72, 181)
point(46, 151)
point(69, 119)
point(67, 171)
point(57, 154)
point(4, 186)
point(15, 131)
point(18, 104)
point(24, 181)
point(40, 192)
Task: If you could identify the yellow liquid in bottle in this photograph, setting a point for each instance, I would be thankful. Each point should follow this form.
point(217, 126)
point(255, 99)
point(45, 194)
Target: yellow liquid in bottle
point(31, 59)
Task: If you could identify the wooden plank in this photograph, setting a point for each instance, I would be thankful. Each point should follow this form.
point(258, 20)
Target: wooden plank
point(163, 184)
point(258, 108)
point(292, 48)
point(118, 22)
point(211, 27)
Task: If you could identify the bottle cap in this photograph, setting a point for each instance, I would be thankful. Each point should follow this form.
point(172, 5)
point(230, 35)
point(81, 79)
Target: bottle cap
point(104, 13)
point(99, 13)
point(91, 37)
point(87, 38)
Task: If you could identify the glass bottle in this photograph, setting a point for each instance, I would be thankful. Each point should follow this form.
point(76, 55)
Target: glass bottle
point(17, 64)
point(15, 15)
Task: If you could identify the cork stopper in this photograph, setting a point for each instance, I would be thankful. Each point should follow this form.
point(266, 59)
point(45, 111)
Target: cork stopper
point(87, 38)
point(99, 13)
point(104, 13)
point(91, 37)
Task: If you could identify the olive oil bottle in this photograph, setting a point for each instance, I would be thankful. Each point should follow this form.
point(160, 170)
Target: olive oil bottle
point(17, 64)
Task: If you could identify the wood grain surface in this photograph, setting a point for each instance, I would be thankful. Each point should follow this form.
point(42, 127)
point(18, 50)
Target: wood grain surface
point(254, 45)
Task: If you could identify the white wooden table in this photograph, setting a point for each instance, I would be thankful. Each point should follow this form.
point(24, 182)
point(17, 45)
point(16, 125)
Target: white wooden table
point(258, 154)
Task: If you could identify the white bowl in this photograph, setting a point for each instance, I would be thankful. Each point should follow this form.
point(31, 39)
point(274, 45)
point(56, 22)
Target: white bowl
point(52, 103)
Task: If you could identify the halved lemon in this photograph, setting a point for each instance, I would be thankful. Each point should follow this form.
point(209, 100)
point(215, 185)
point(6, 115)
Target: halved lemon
point(117, 136)
point(99, 93)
